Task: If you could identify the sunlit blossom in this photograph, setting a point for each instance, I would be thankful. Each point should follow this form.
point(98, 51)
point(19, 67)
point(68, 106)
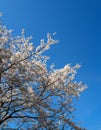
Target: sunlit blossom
point(30, 92)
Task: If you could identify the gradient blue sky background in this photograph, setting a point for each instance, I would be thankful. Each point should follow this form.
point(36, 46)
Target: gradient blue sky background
point(78, 27)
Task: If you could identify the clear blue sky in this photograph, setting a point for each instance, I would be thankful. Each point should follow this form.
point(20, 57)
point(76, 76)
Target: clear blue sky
point(78, 27)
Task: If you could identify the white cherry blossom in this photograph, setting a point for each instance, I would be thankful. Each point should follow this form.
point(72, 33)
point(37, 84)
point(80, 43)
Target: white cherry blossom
point(31, 94)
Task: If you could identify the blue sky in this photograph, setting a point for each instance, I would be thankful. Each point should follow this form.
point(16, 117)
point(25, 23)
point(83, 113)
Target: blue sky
point(78, 27)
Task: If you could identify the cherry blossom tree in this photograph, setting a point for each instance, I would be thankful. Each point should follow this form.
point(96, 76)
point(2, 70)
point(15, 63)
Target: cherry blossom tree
point(32, 96)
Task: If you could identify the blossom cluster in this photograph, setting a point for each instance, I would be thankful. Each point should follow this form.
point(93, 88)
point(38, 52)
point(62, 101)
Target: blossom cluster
point(29, 91)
